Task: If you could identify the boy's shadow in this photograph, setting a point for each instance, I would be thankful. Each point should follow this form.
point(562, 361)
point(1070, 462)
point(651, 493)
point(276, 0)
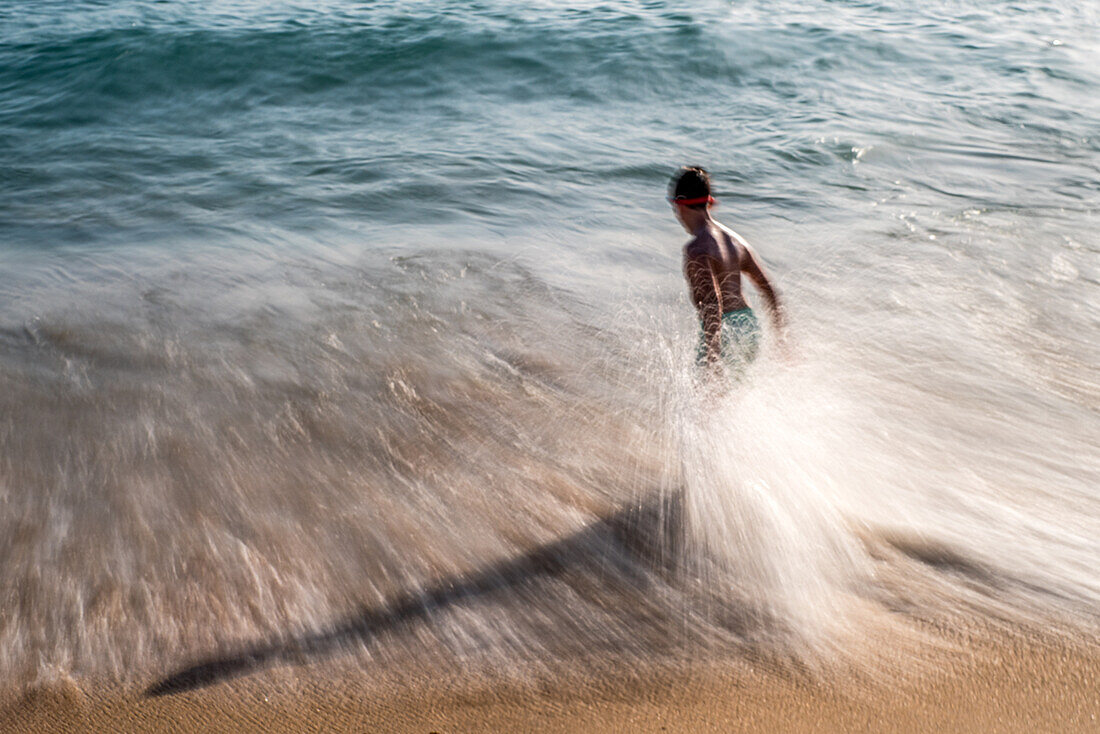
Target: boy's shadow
point(648, 534)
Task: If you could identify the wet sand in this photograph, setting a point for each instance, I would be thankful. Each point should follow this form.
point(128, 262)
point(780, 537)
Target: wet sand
point(995, 679)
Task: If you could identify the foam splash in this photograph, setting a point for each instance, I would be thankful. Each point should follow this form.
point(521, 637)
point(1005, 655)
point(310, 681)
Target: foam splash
point(762, 499)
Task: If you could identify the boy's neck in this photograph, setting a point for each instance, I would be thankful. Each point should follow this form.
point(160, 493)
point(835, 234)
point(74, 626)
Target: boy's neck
point(696, 219)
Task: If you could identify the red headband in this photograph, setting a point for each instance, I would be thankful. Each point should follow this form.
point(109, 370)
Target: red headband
point(693, 202)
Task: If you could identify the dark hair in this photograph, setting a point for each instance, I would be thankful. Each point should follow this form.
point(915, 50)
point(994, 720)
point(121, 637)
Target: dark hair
point(690, 182)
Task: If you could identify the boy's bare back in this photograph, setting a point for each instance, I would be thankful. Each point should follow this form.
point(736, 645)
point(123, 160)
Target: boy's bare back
point(726, 255)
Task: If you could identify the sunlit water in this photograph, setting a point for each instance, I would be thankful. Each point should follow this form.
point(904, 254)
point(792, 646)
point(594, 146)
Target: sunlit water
point(313, 312)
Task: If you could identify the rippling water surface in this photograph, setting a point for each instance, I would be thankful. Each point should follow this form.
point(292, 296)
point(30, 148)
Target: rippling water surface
point(338, 325)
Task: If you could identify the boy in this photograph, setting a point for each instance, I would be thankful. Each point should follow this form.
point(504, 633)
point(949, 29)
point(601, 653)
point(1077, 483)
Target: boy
point(713, 263)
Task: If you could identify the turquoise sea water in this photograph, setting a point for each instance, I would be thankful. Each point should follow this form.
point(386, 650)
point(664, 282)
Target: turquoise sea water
point(131, 122)
point(305, 305)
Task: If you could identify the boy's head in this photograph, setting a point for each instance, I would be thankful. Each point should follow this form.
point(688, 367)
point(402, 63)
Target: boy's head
point(690, 187)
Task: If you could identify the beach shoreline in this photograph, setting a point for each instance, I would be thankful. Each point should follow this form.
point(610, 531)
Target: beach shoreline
point(993, 679)
point(348, 377)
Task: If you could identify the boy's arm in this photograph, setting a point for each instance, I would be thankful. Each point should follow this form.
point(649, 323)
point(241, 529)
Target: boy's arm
point(707, 297)
point(750, 266)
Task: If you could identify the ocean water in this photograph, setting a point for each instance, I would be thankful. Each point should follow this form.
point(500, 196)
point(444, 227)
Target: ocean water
point(359, 327)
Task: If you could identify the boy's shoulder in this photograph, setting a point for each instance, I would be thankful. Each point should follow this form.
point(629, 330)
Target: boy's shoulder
point(702, 244)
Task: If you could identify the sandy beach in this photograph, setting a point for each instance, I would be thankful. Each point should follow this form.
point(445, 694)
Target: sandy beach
point(993, 681)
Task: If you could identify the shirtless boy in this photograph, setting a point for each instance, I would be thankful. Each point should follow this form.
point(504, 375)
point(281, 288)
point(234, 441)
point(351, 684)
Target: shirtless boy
point(713, 262)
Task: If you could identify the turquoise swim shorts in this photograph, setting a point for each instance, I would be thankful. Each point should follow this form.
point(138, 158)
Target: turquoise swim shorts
point(740, 339)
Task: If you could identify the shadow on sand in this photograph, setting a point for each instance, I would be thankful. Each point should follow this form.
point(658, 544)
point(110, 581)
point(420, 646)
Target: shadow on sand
point(648, 534)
